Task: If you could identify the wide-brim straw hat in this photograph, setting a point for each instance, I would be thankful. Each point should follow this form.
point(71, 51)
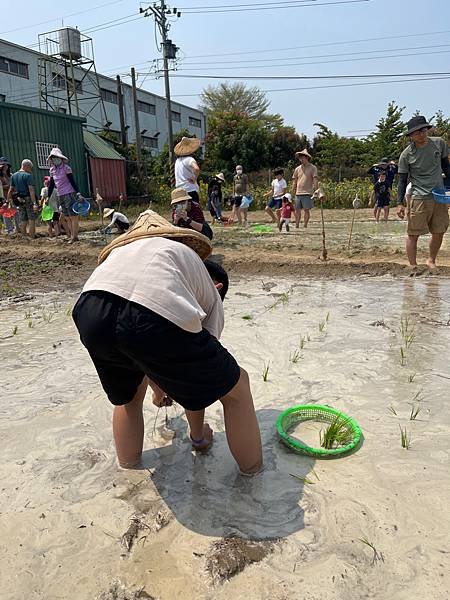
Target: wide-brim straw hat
point(150, 224)
point(220, 176)
point(56, 152)
point(107, 212)
point(187, 146)
point(304, 153)
point(179, 195)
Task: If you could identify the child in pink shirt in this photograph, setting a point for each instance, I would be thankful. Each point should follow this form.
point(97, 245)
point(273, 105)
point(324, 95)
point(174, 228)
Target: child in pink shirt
point(286, 211)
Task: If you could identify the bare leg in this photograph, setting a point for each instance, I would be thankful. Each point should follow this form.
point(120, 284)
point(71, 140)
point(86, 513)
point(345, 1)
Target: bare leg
point(23, 227)
point(278, 215)
point(377, 214)
point(375, 210)
point(411, 249)
point(306, 218)
point(386, 213)
point(128, 429)
point(241, 426)
point(269, 211)
point(298, 216)
point(435, 244)
point(244, 212)
point(32, 229)
point(74, 228)
point(239, 215)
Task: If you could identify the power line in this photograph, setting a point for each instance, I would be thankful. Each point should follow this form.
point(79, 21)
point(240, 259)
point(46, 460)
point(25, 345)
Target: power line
point(75, 14)
point(287, 77)
point(228, 10)
point(321, 45)
point(218, 6)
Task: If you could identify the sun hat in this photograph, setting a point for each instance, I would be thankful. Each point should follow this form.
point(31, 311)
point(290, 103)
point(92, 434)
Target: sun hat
point(179, 195)
point(56, 152)
point(384, 161)
point(187, 146)
point(416, 123)
point(287, 196)
point(150, 224)
point(107, 212)
point(220, 176)
point(304, 153)
point(5, 161)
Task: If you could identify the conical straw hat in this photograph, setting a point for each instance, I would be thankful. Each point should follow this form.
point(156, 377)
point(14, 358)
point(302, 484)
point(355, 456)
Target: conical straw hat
point(150, 224)
point(187, 146)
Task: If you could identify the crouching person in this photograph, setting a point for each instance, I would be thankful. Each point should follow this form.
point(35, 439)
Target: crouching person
point(151, 315)
point(188, 213)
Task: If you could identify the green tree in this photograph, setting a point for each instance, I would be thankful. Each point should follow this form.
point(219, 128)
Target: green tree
point(339, 157)
point(235, 97)
point(159, 166)
point(284, 143)
point(235, 138)
point(388, 138)
point(441, 125)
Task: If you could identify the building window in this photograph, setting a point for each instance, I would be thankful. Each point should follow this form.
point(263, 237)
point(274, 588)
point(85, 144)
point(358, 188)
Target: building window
point(2, 98)
point(146, 107)
point(43, 149)
point(59, 81)
point(193, 122)
point(149, 142)
point(61, 109)
point(176, 116)
point(109, 96)
point(14, 67)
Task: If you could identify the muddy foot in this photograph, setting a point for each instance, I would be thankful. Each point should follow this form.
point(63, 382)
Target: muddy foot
point(205, 444)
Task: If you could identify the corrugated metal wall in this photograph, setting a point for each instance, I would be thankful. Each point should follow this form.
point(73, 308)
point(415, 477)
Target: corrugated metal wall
point(108, 176)
point(21, 127)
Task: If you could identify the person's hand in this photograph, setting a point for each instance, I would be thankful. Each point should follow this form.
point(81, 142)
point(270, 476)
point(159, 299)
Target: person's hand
point(401, 211)
point(180, 216)
point(160, 398)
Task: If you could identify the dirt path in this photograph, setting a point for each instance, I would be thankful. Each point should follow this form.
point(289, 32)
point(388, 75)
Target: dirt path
point(44, 264)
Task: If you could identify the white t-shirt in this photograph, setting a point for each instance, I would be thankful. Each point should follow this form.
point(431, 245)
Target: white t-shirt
point(184, 172)
point(165, 276)
point(279, 187)
point(118, 216)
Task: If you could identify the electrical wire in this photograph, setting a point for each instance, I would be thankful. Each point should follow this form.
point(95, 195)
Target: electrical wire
point(217, 6)
point(228, 10)
point(287, 77)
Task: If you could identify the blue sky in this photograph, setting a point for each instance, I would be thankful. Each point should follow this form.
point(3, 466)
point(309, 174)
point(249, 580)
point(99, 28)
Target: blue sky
point(318, 35)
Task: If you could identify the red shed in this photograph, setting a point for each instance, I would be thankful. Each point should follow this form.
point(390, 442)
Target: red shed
point(107, 170)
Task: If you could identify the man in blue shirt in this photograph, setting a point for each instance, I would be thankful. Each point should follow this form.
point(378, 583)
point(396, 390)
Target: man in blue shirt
point(389, 168)
point(23, 197)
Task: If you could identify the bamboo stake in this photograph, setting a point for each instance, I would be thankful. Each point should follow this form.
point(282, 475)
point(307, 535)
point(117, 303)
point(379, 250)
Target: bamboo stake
point(356, 204)
point(324, 247)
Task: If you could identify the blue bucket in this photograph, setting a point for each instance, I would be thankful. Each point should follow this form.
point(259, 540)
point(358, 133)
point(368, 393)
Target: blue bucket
point(441, 195)
point(81, 207)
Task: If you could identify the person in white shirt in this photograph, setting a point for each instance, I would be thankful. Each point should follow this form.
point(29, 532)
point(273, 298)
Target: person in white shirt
point(118, 220)
point(277, 191)
point(186, 167)
point(151, 315)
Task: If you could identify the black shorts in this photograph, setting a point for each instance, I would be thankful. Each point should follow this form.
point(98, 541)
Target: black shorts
point(55, 217)
point(127, 341)
point(122, 226)
point(236, 201)
point(195, 197)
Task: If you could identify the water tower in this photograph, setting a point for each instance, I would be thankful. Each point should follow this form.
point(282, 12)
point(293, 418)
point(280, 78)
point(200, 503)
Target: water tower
point(68, 80)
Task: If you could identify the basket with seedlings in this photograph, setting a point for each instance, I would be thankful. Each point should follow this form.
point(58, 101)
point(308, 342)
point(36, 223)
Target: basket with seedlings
point(339, 435)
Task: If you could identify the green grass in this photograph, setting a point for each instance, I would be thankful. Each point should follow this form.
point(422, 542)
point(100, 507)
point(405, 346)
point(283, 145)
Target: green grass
point(322, 326)
point(265, 373)
point(415, 410)
point(295, 356)
point(407, 331)
point(405, 438)
point(402, 356)
point(336, 434)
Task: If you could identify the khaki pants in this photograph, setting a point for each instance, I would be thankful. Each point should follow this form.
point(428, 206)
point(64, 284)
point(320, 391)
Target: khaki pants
point(425, 215)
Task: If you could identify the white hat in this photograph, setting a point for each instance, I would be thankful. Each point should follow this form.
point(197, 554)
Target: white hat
point(287, 196)
point(107, 212)
point(220, 176)
point(57, 153)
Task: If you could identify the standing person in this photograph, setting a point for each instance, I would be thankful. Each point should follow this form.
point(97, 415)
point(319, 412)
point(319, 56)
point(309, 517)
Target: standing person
point(386, 166)
point(287, 208)
point(187, 213)
point(382, 198)
point(215, 197)
point(53, 203)
point(23, 196)
point(304, 184)
point(61, 178)
point(186, 167)
point(155, 277)
point(424, 162)
point(277, 191)
point(240, 189)
point(118, 220)
point(5, 181)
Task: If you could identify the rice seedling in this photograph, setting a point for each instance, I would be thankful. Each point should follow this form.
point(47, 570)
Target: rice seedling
point(327, 317)
point(415, 410)
point(336, 434)
point(68, 311)
point(407, 331)
point(405, 438)
point(47, 317)
point(265, 373)
point(308, 338)
point(295, 356)
point(376, 555)
point(302, 343)
point(14, 330)
point(417, 396)
point(303, 479)
point(411, 377)
point(392, 410)
point(322, 325)
point(247, 317)
point(402, 356)
point(27, 315)
point(315, 474)
point(30, 324)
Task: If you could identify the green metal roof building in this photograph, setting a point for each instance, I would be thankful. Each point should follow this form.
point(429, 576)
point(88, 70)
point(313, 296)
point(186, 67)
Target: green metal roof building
point(31, 133)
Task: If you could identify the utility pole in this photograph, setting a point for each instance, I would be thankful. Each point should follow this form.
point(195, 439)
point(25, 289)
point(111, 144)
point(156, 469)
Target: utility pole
point(136, 124)
point(160, 12)
point(123, 131)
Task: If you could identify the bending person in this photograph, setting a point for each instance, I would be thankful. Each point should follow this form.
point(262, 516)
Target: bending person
point(150, 314)
point(118, 220)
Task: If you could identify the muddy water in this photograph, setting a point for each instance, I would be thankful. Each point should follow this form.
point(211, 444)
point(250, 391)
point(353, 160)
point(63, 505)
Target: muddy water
point(64, 505)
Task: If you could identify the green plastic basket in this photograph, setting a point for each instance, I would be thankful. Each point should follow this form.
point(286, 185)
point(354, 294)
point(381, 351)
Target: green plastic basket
point(261, 229)
point(324, 414)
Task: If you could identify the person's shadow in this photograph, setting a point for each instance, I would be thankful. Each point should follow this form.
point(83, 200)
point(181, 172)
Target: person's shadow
point(207, 495)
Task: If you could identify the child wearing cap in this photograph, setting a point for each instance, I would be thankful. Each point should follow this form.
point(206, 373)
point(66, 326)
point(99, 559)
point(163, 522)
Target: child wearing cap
point(285, 213)
point(382, 198)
